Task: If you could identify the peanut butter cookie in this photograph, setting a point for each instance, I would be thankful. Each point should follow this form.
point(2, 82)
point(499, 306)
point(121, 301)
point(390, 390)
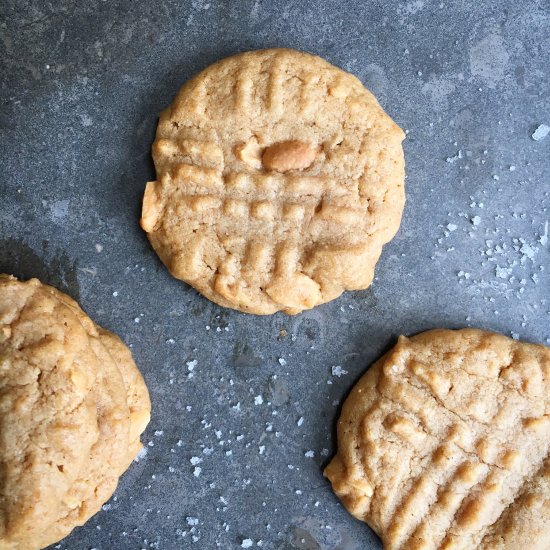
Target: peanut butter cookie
point(444, 444)
point(279, 179)
point(71, 412)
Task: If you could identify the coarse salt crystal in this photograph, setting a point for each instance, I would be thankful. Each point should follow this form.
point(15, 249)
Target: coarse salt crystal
point(541, 132)
point(338, 371)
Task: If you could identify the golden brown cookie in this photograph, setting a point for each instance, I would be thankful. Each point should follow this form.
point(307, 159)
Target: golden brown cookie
point(279, 179)
point(67, 430)
point(444, 444)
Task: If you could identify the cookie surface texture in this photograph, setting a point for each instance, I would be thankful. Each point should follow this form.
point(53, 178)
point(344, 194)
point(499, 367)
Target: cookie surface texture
point(279, 179)
point(444, 444)
point(70, 415)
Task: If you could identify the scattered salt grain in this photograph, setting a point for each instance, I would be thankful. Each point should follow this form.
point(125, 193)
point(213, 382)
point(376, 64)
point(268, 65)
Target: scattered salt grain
point(476, 220)
point(246, 543)
point(541, 132)
point(192, 521)
point(456, 157)
point(309, 454)
point(452, 227)
point(544, 237)
point(338, 371)
point(195, 460)
point(282, 362)
point(258, 400)
point(300, 421)
point(502, 272)
point(528, 251)
point(197, 471)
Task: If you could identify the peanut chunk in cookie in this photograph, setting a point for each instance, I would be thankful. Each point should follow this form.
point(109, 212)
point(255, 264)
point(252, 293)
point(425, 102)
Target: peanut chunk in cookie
point(250, 153)
point(289, 155)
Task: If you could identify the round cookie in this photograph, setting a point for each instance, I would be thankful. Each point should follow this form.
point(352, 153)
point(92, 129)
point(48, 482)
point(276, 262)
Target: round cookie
point(279, 179)
point(444, 444)
point(40, 506)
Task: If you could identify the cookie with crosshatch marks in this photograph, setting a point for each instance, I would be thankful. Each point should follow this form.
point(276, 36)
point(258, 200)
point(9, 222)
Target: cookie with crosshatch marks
point(444, 444)
point(279, 179)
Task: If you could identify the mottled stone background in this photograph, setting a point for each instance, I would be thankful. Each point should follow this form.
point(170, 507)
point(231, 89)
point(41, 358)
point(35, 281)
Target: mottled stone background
point(245, 407)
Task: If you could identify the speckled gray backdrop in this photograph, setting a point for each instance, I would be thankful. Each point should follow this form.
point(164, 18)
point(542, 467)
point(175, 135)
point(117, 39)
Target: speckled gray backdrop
point(244, 407)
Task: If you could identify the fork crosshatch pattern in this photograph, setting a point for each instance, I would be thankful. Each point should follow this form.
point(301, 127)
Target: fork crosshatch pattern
point(444, 444)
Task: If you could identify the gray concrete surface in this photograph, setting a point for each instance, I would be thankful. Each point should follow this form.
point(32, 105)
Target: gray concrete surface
point(254, 399)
